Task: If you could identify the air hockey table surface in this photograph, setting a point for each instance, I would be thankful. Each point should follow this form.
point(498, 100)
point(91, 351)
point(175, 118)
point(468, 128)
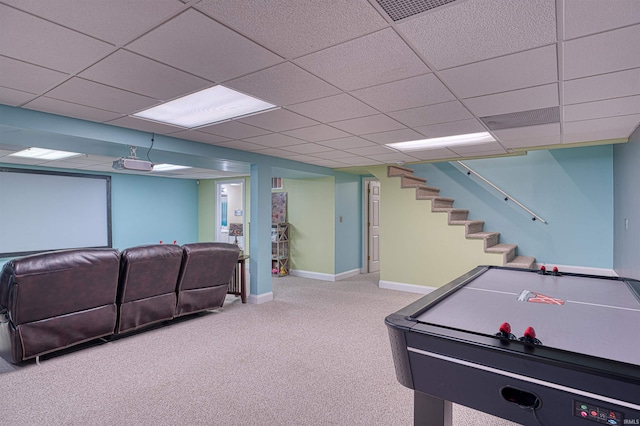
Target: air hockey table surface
point(446, 346)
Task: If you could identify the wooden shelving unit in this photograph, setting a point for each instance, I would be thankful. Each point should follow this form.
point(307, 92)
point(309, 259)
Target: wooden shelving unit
point(280, 249)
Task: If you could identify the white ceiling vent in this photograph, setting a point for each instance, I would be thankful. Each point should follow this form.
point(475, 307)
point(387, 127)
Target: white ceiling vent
point(400, 9)
point(512, 120)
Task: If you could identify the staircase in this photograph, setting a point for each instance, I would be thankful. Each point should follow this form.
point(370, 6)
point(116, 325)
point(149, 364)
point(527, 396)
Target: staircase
point(458, 217)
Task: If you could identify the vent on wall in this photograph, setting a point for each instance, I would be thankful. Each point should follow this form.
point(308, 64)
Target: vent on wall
point(400, 9)
point(513, 120)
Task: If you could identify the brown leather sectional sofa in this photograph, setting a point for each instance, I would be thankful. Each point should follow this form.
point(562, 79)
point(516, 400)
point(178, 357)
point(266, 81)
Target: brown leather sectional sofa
point(55, 300)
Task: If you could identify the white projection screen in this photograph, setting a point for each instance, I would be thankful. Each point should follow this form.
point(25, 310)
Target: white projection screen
point(44, 211)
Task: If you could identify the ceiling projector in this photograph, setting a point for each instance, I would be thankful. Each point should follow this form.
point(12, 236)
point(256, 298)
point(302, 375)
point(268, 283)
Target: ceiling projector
point(133, 164)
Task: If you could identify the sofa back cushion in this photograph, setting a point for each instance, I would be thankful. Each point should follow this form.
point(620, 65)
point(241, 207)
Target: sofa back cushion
point(148, 271)
point(207, 265)
point(56, 283)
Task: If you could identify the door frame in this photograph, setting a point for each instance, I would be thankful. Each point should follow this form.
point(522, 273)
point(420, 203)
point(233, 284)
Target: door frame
point(364, 269)
point(219, 213)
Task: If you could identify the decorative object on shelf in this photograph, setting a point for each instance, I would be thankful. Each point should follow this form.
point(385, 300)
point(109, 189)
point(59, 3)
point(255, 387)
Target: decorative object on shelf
point(235, 230)
point(278, 207)
point(280, 249)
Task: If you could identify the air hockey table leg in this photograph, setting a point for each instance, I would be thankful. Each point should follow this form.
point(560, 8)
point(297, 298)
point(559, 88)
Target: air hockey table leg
point(429, 410)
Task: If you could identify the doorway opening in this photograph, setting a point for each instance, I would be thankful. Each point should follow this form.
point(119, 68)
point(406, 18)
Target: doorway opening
point(230, 216)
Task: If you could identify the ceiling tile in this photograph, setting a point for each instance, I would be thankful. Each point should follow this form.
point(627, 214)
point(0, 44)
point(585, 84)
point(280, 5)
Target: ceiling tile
point(625, 124)
point(371, 124)
point(344, 143)
point(479, 149)
point(278, 120)
point(370, 150)
point(522, 144)
point(394, 136)
point(185, 42)
point(307, 148)
point(97, 95)
point(145, 125)
point(517, 71)
point(325, 163)
point(471, 31)
point(300, 157)
point(233, 130)
point(283, 84)
point(278, 25)
point(14, 97)
point(461, 127)
point(432, 114)
point(274, 140)
point(601, 53)
point(22, 76)
point(577, 136)
point(241, 145)
point(317, 133)
point(584, 17)
point(394, 157)
point(379, 58)
point(599, 87)
point(601, 109)
point(333, 108)
point(55, 106)
point(137, 74)
point(40, 42)
point(434, 154)
point(357, 161)
point(333, 155)
point(194, 135)
point(531, 132)
point(409, 93)
point(514, 101)
point(115, 21)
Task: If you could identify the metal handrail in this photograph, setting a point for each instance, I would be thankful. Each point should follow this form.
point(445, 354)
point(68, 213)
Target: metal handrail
point(507, 196)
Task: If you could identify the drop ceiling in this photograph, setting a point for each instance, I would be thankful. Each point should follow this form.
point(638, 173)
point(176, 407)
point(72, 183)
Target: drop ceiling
point(348, 77)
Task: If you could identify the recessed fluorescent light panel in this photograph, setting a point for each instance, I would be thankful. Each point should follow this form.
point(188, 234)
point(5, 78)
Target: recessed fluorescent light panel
point(44, 154)
point(423, 144)
point(168, 167)
point(207, 106)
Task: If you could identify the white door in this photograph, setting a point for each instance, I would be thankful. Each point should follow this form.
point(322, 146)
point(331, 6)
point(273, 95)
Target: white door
point(374, 226)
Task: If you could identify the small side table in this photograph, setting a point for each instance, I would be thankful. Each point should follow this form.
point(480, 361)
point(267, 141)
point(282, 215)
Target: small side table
point(238, 283)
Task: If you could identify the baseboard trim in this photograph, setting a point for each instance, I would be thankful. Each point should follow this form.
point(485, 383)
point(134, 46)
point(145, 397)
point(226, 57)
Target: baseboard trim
point(324, 277)
point(409, 288)
point(579, 269)
point(257, 299)
point(347, 274)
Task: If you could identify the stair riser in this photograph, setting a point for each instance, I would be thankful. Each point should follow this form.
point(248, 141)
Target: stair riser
point(411, 181)
point(461, 215)
point(442, 204)
point(426, 193)
point(394, 171)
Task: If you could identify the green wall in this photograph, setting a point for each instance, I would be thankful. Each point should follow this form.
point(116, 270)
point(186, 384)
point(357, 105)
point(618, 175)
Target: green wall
point(310, 212)
point(206, 210)
point(417, 246)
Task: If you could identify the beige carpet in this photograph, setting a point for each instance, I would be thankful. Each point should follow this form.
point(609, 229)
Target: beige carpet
point(318, 354)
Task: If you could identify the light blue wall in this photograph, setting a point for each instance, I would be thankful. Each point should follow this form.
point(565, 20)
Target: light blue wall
point(348, 238)
point(145, 210)
point(572, 189)
point(626, 176)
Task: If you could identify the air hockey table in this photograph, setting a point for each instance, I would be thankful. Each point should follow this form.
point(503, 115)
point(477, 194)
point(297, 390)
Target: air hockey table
point(577, 364)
